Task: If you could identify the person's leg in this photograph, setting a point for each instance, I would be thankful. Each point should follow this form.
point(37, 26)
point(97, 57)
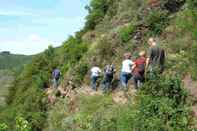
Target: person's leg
point(135, 80)
point(104, 84)
point(110, 82)
point(128, 77)
point(123, 80)
point(57, 82)
point(94, 79)
point(54, 83)
point(141, 80)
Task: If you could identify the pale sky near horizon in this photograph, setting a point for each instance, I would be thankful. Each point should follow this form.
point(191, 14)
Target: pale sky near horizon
point(30, 26)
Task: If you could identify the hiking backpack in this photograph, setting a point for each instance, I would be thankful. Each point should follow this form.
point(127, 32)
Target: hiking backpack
point(109, 70)
point(56, 74)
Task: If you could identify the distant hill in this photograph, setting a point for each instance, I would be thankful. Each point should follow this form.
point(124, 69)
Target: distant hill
point(13, 61)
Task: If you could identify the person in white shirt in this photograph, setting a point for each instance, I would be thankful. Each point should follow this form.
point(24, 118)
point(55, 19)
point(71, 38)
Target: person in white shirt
point(95, 74)
point(126, 71)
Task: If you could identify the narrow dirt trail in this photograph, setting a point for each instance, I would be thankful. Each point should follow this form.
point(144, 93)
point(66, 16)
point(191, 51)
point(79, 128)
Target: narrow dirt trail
point(191, 86)
point(118, 96)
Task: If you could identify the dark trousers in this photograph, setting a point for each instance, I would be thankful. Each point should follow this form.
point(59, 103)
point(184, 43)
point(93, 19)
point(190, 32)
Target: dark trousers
point(55, 82)
point(107, 82)
point(94, 82)
point(138, 80)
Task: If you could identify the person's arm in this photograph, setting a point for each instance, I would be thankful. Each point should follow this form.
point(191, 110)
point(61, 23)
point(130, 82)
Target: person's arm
point(147, 62)
point(52, 74)
point(99, 71)
point(90, 71)
point(148, 58)
point(133, 67)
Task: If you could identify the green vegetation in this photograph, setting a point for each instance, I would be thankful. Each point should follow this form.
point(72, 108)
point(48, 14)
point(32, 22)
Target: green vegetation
point(97, 10)
point(126, 33)
point(14, 62)
point(165, 110)
point(162, 103)
point(6, 79)
point(156, 21)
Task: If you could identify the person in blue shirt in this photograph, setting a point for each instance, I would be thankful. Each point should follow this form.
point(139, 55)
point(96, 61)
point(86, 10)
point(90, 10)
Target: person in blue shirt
point(56, 76)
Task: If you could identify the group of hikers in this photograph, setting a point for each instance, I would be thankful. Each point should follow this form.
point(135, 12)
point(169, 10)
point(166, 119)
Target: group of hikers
point(136, 69)
point(146, 62)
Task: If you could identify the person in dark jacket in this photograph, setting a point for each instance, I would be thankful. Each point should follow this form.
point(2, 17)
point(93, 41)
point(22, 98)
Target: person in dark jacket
point(109, 71)
point(156, 57)
point(56, 76)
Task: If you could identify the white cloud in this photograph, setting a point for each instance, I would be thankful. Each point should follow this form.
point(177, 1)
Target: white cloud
point(36, 38)
point(33, 44)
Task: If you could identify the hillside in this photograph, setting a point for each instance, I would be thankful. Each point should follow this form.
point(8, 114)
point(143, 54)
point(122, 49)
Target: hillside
point(6, 79)
point(13, 61)
point(112, 28)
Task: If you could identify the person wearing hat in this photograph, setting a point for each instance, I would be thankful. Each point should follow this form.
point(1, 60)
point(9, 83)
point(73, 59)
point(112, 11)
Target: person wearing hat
point(138, 69)
point(126, 71)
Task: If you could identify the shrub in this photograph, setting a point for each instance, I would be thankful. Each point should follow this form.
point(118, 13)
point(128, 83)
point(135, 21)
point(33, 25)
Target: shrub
point(104, 50)
point(187, 19)
point(156, 20)
point(79, 72)
point(57, 115)
point(168, 86)
point(22, 124)
point(73, 50)
point(159, 114)
point(126, 33)
point(97, 10)
point(3, 127)
point(161, 105)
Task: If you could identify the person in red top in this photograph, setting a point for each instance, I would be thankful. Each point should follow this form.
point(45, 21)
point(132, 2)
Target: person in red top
point(138, 69)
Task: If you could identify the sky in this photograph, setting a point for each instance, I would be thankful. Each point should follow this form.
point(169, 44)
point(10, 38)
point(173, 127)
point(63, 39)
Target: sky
point(30, 26)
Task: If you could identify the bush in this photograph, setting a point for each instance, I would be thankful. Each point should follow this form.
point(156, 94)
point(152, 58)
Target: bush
point(73, 50)
point(161, 105)
point(79, 72)
point(97, 11)
point(187, 19)
point(126, 33)
point(22, 124)
point(160, 114)
point(3, 127)
point(104, 50)
point(156, 20)
point(168, 86)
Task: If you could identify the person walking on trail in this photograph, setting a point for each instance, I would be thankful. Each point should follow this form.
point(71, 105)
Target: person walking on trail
point(156, 57)
point(109, 71)
point(56, 76)
point(95, 74)
point(126, 71)
point(138, 70)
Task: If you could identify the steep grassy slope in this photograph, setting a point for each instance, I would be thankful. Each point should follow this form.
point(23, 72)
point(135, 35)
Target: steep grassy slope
point(112, 28)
